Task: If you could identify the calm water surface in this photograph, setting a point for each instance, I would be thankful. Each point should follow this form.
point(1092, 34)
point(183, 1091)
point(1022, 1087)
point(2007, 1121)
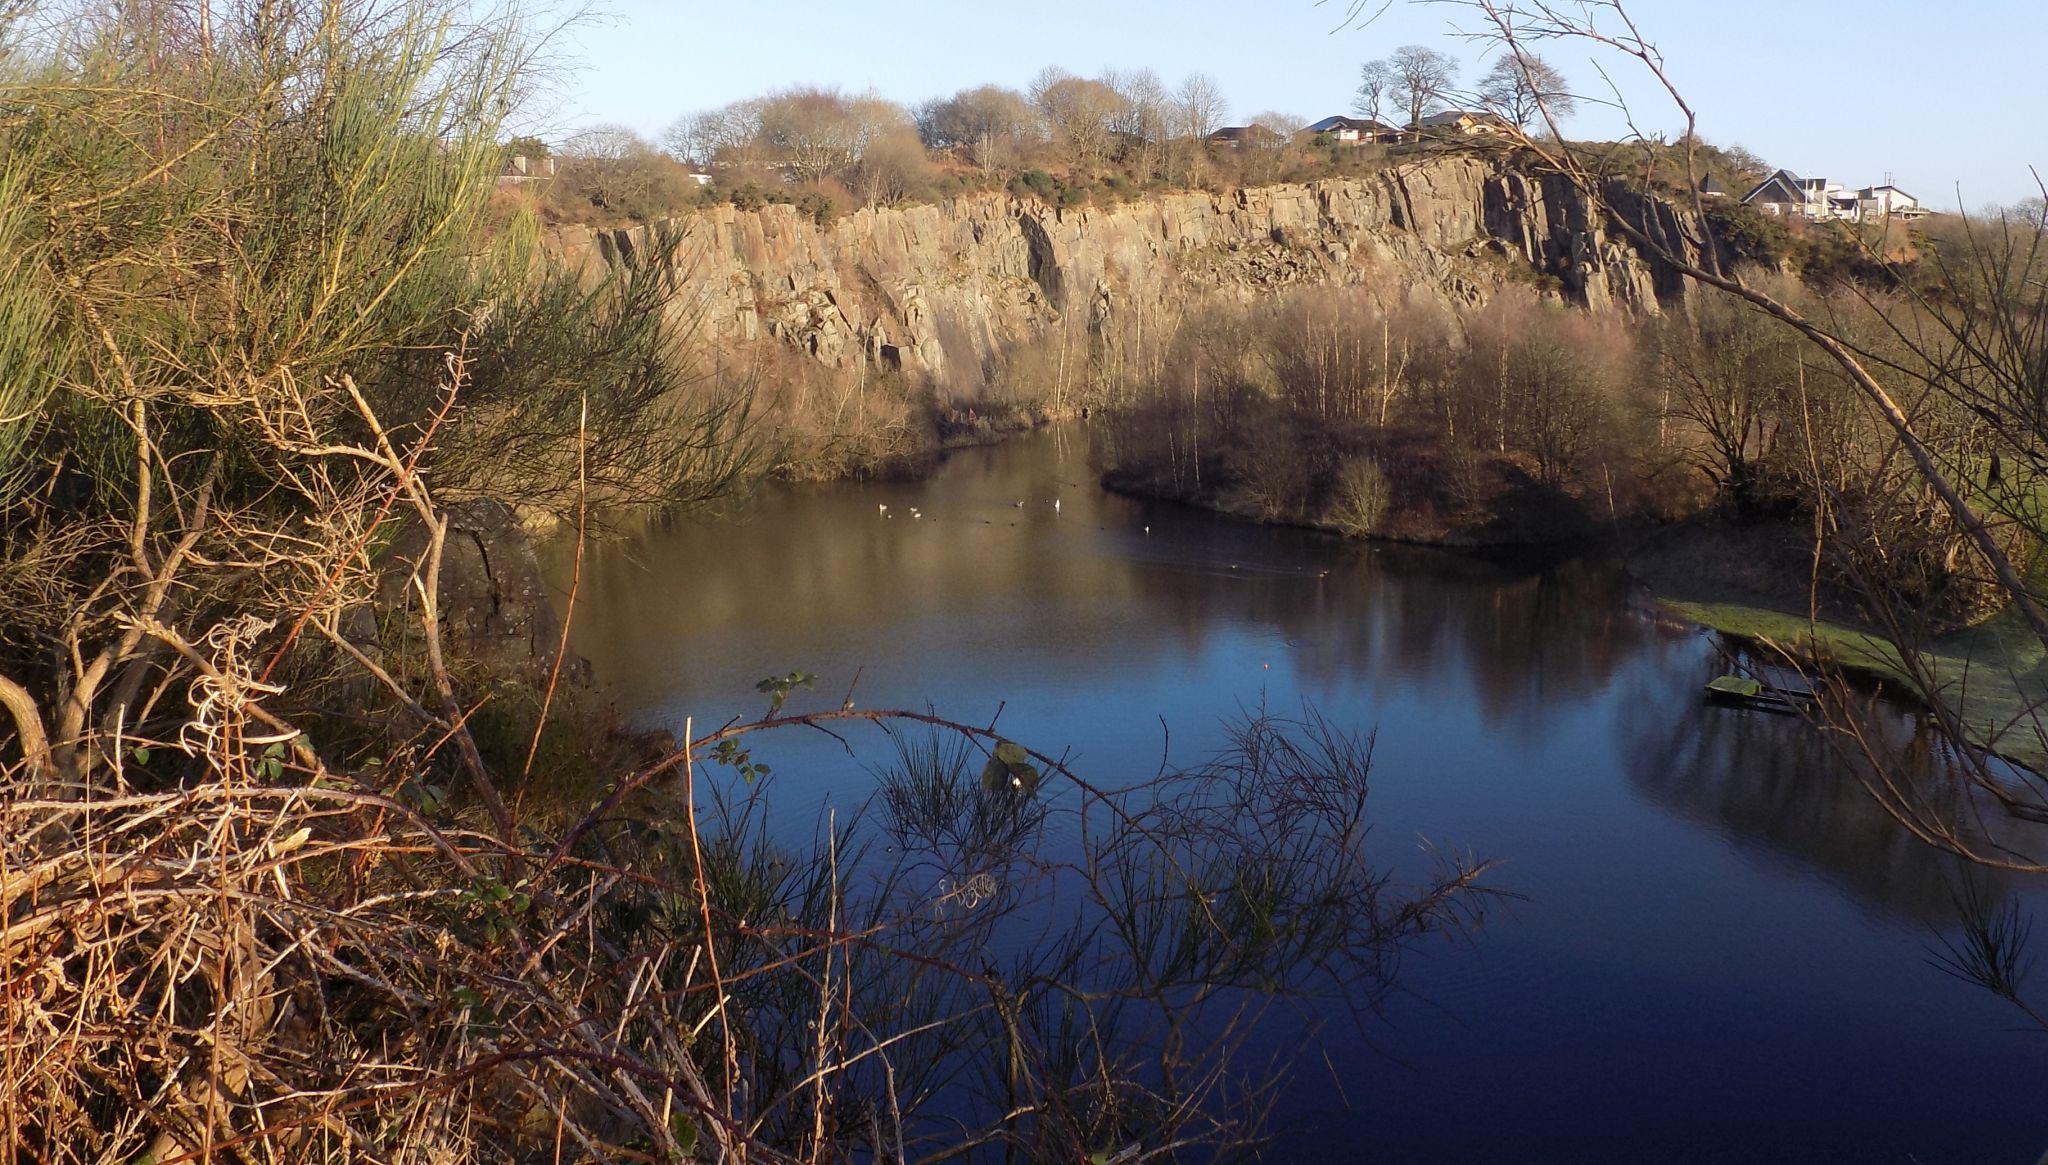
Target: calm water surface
point(1721, 950)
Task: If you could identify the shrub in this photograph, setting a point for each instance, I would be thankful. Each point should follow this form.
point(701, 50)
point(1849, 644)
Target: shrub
point(817, 206)
point(1035, 182)
point(1359, 502)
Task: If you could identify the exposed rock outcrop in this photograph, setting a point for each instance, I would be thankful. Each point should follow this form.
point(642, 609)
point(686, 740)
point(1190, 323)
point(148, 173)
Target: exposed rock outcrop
point(944, 291)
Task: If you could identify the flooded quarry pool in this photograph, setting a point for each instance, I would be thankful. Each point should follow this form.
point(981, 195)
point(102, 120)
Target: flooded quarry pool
point(1716, 947)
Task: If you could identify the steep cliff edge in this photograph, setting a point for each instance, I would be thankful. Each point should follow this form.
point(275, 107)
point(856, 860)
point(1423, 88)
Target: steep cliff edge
point(942, 292)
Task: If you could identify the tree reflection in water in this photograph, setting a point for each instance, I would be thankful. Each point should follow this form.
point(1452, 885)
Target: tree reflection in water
point(1779, 784)
point(1040, 966)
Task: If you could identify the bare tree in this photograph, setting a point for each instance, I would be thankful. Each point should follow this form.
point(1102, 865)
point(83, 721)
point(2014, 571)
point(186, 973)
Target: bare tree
point(1729, 380)
point(1200, 106)
point(1744, 167)
point(729, 136)
point(1139, 124)
point(1266, 146)
point(1374, 79)
point(1422, 80)
point(819, 132)
point(992, 125)
point(1077, 114)
point(892, 168)
point(611, 163)
point(1521, 87)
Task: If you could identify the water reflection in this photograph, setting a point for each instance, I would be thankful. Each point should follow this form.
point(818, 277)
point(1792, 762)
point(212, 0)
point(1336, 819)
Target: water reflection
point(1509, 635)
point(1713, 883)
point(1780, 784)
point(975, 577)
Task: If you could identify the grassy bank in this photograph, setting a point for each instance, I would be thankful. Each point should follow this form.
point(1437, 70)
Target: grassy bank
point(1994, 675)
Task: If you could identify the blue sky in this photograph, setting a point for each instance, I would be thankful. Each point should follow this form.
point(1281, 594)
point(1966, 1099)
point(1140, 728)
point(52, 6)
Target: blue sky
point(1950, 97)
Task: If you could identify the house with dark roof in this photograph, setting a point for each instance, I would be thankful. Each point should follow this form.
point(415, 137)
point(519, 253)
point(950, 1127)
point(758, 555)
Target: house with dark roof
point(1887, 201)
point(1236, 136)
point(1354, 131)
point(1786, 194)
point(1710, 187)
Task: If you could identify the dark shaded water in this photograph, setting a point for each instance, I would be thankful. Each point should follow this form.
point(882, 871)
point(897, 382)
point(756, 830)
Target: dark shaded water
point(1721, 954)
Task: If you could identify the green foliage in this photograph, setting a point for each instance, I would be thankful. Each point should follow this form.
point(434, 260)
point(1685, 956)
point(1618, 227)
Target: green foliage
point(778, 688)
point(527, 146)
point(740, 760)
point(33, 349)
point(207, 290)
point(817, 206)
point(1036, 183)
point(1009, 767)
point(684, 1129)
point(494, 909)
point(270, 767)
point(427, 798)
point(1752, 236)
point(582, 385)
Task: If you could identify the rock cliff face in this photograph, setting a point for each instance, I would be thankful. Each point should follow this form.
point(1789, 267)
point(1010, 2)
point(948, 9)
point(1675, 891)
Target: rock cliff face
point(944, 291)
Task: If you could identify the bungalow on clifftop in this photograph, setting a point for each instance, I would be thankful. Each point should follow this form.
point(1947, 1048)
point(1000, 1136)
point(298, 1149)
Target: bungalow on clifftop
point(1787, 195)
point(1234, 136)
point(1468, 122)
point(1354, 131)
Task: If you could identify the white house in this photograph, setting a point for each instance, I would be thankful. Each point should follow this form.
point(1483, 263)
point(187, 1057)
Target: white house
point(1887, 201)
point(1787, 195)
point(520, 168)
point(1354, 131)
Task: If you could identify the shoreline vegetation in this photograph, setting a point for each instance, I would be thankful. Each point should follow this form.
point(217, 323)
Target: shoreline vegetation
point(318, 847)
point(1993, 675)
point(1989, 676)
